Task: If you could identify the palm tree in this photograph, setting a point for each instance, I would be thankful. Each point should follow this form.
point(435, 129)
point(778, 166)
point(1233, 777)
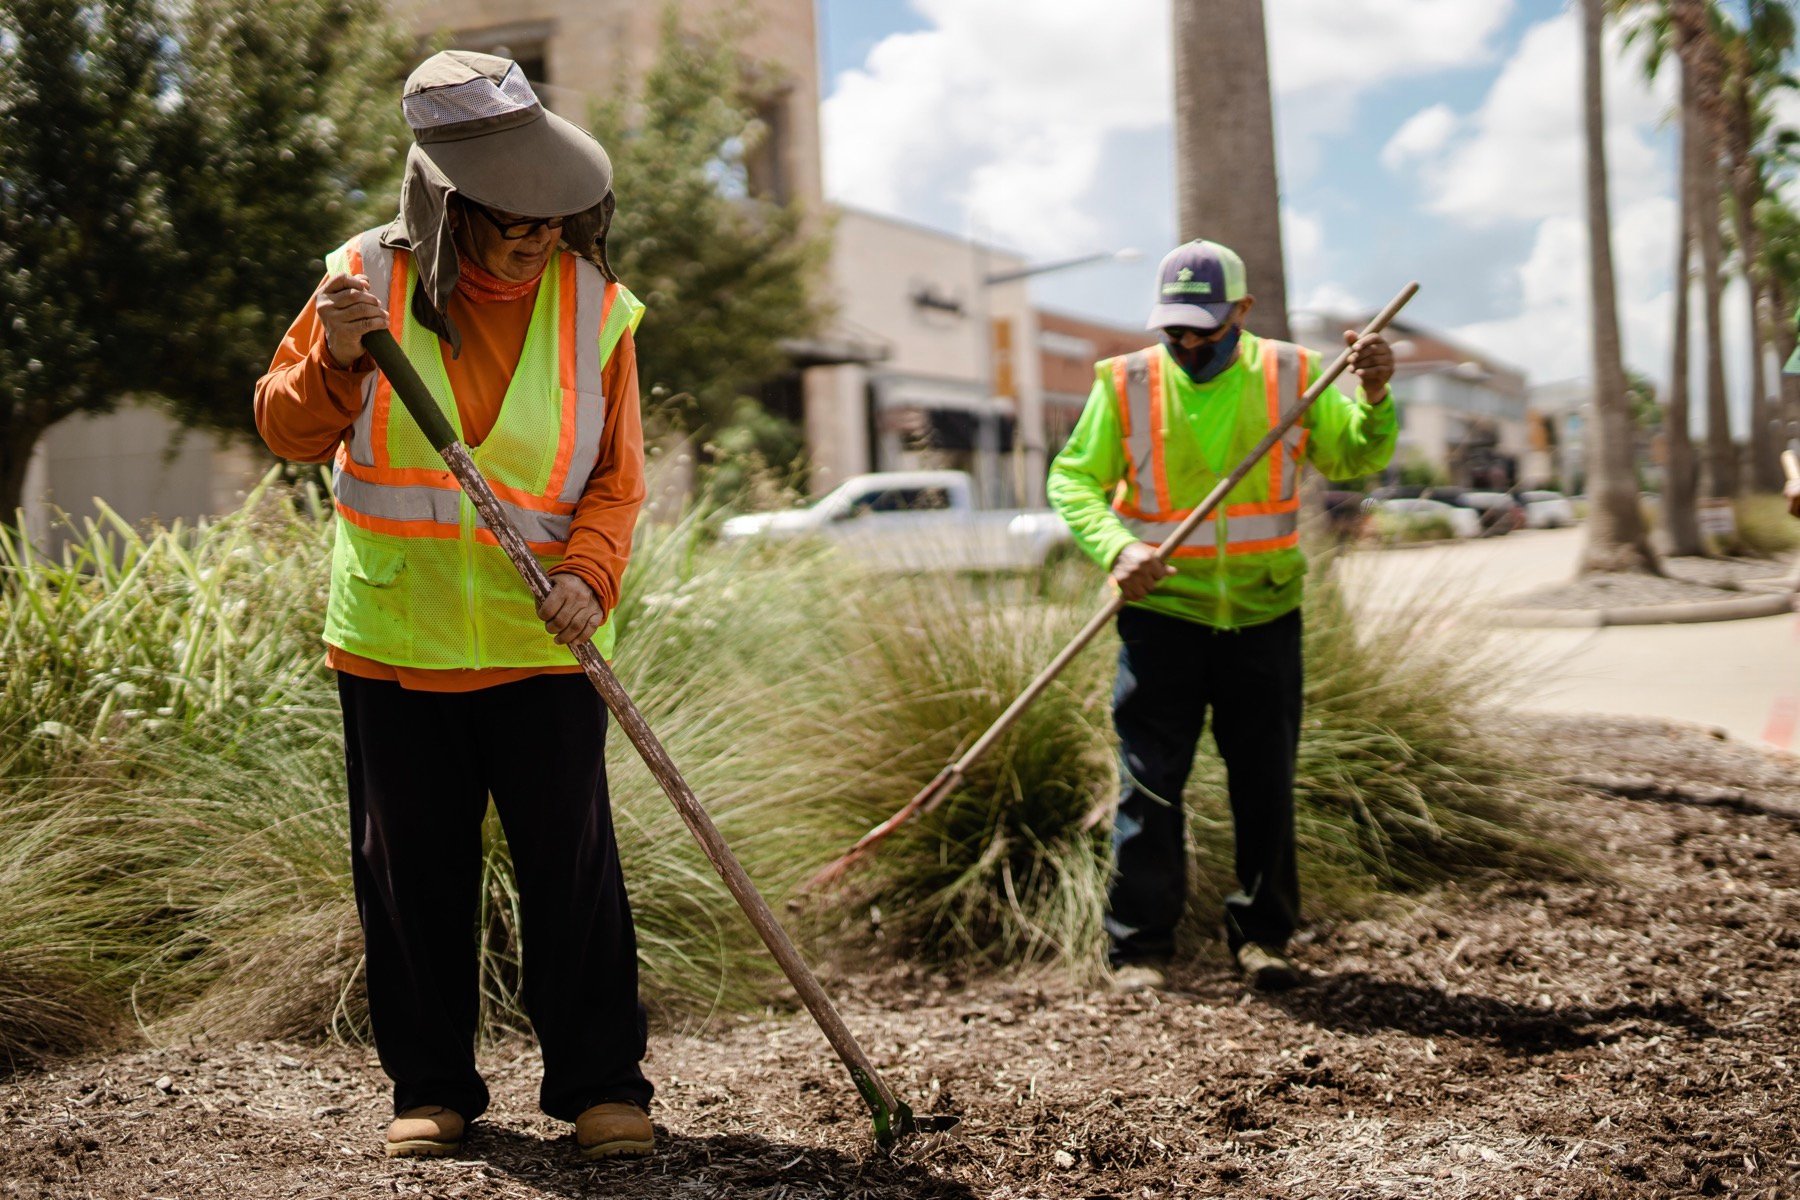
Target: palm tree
point(1225, 145)
point(1696, 42)
point(1754, 57)
point(1681, 523)
point(1616, 538)
point(1779, 228)
point(1658, 30)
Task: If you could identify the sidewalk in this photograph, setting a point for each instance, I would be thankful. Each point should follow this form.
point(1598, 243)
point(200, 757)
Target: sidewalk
point(1739, 676)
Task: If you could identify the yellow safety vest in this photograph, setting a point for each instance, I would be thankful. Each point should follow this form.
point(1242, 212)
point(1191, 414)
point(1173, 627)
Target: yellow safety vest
point(417, 580)
point(1261, 514)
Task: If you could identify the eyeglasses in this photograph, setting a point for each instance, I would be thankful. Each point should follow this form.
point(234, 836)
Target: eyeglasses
point(1188, 337)
point(514, 229)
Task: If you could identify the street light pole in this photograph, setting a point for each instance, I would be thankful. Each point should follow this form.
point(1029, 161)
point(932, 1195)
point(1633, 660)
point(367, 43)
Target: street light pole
point(1029, 450)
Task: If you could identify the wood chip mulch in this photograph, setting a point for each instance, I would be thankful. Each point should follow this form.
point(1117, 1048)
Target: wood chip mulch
point(1634, 1034)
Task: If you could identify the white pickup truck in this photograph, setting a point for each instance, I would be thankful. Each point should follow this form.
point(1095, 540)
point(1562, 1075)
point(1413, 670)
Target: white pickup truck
point(915, 521)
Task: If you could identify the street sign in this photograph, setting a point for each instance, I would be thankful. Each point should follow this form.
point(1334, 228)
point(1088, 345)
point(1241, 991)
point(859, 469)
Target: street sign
point(1717, 517)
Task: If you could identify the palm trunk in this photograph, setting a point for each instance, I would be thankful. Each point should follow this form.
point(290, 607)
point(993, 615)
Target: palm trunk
point(1721, 452)
point(1616, 539)
point(1225, 145)
point(1680, 522)
point(1781, 325)
point(1695, 45)
point(17, 441)
point(1765, 469)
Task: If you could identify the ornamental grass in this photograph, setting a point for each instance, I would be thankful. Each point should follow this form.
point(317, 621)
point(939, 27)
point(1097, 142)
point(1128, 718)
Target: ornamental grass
point(173, 850)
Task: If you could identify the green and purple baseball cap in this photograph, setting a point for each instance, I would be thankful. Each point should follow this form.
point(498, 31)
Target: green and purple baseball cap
point(1196, 286)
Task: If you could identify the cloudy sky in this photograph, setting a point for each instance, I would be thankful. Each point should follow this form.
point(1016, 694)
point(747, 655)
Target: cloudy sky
point(1436, 139)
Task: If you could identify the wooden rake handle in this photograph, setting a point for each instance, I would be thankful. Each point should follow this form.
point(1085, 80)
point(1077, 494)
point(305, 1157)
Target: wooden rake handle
point(934, 792)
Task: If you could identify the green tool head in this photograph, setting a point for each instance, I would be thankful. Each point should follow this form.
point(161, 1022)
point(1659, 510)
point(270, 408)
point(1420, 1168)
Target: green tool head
point(893, 1124)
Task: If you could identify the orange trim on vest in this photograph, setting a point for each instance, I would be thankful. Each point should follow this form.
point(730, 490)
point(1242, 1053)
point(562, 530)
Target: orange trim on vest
point(1257, 508)
point(1122, 401)
point(1159, 474)
point(431, 529)
point(1300, 393)
point(1264, 546)
point(445, 481)
point(384, 391)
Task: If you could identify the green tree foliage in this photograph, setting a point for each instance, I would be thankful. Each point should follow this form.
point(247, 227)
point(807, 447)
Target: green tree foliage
point(1646, 412)
point(170, 174)
point(727, 276)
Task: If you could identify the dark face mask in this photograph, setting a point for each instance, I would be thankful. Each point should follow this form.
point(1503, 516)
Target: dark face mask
point(1204, 362)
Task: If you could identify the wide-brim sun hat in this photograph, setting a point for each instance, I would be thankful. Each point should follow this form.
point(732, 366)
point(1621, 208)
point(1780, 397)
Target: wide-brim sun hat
point(477, 118)
point(479, 133)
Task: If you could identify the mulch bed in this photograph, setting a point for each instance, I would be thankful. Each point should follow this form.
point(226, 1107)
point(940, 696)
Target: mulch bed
point(1633, 1034)
point(1687, 581)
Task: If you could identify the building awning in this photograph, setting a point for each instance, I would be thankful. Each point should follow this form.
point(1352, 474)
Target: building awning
point(940, 395)
point(833, 350)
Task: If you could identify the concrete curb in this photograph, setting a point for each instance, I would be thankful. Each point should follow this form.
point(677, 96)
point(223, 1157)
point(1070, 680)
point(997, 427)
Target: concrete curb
point(1737, 609)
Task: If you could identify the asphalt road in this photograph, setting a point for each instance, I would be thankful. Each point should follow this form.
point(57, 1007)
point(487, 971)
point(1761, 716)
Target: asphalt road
point(1739, 676)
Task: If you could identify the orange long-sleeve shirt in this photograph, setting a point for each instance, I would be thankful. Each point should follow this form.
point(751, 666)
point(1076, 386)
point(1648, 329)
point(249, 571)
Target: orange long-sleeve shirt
point(306, 404)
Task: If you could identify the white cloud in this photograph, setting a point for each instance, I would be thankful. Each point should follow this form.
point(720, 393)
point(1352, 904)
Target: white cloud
point(1302, 235)
point(1550, 335)
point(1425, 134)
point(1009, 129)
point(980, 121)
point(1330, 298)
point(1520, 155)
point(1339, 47)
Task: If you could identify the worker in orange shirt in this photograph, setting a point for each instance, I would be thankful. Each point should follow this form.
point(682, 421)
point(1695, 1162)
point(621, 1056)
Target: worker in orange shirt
point(454, 685)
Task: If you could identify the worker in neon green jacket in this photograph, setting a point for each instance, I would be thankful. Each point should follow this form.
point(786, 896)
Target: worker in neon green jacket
point(1219, 626)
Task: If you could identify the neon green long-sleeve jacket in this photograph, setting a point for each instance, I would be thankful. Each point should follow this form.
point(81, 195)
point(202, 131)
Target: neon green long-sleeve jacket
point(1210, 427)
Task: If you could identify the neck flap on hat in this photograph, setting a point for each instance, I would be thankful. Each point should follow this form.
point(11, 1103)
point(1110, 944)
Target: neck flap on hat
point(423, 229)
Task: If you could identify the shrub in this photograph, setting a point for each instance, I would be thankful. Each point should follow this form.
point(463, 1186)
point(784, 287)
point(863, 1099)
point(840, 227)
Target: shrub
point(175, 849)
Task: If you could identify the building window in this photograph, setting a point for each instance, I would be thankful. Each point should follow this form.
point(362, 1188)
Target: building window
point(525, 42)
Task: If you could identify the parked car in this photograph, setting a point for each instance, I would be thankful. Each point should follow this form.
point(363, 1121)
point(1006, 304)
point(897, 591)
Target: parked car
point(1500, 513)
point(1421, 513)
point(1547, 510)
point(915, 521)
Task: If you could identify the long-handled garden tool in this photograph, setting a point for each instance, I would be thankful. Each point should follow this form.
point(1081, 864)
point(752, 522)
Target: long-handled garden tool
point(892, 1117)
point(947, 780)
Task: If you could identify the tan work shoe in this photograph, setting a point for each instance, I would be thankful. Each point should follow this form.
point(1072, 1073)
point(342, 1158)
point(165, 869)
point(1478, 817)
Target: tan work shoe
point(430, 1131)
point(1138, 977)
point(1268, 969)
point(614, 1130)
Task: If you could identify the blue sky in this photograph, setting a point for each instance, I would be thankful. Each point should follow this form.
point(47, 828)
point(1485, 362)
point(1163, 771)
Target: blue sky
point(1436, 139)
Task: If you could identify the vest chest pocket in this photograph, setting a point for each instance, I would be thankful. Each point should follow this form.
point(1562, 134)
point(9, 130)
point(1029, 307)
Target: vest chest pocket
point(372, 563)
point(369, 611)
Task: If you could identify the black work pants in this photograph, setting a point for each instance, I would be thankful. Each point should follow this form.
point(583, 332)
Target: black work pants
point(422, 766)
point(1170, 672)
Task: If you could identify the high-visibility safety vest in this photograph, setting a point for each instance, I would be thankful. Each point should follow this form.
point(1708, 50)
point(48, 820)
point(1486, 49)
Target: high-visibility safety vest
point(417, 580)
point(1261, 514)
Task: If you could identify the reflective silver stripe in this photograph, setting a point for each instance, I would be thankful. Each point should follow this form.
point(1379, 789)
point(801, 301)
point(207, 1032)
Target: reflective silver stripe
point(440, 506)
point(1261, 528)
point(1289, 387)
point(378, 265)
point(1139, 443)
point(590, 400)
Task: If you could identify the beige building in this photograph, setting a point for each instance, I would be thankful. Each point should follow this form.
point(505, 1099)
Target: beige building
point(578, 51)
point(955, 379)
point(1462, 413)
